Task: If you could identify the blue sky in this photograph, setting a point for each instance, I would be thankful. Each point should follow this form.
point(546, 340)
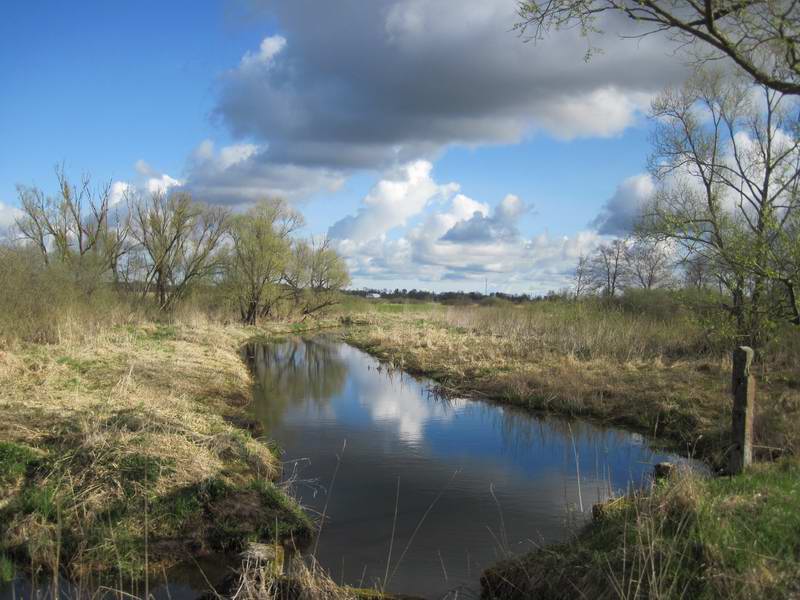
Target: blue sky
point(391, 125)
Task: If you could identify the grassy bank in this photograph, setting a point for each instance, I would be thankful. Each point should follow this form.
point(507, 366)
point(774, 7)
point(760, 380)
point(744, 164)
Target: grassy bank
point(660, 375)
point(689, 538)
point(122, 452)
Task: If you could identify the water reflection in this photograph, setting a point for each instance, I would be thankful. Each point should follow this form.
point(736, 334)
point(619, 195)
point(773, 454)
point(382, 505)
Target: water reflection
point(475, 481)
point(293, 372)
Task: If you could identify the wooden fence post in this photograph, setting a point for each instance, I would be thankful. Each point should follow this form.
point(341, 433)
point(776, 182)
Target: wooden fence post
point(744, 394)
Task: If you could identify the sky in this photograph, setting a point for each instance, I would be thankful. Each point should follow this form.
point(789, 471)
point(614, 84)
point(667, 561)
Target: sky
point(432, 145)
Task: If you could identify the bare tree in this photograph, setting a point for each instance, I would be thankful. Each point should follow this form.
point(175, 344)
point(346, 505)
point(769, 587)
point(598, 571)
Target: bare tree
point(648, 264)
point(607, 267)
point(179, 239)
point(74, 228)
point(760, 36)
point(582, 277)
point(697, 271)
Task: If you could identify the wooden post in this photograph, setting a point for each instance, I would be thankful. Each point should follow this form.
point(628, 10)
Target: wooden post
point(744, 394)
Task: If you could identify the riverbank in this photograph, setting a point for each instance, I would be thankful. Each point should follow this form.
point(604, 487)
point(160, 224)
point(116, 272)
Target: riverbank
point(689, 537)
point(625, 371)
point(124, 452)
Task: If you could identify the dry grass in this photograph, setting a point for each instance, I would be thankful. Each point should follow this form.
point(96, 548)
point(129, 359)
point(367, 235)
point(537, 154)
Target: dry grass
point(652, 375)
point(305, 580)
point(122, 446)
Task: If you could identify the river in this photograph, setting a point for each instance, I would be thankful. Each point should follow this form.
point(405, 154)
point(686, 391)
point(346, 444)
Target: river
point(421, 493)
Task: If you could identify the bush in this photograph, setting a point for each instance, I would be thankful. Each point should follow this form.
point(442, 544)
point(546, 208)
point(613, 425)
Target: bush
point(656, 304)
point(43, 303)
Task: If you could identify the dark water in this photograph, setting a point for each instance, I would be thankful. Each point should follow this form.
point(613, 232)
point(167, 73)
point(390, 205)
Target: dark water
point(470, 482)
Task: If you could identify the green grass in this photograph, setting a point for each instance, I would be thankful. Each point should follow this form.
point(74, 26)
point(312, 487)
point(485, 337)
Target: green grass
point(154, 337)
point(139, 470)
point(269, 516)
point(288, 519)
point(41, 499)
point(690, 538)
point(81, 366)
point(753, 516)
point(7, 570)
point(14, 461)
point(395, 308)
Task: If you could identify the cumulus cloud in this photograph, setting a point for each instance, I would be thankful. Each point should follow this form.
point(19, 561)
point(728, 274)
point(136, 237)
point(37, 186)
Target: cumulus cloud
point(8, 215)
point(452, 239)
point(396, 80)
point(620, 212)
point(480, 227)
point(400, 195)
point(393, 81)
point(119, 191)
point(240, 173)
point(154, 181)
point(269, 48)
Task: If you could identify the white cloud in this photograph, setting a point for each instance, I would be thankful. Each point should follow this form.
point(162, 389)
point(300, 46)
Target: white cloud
point(402, 193)
point(8, 215)
point(233, 155)
point(603, 112)
point(156, 182)
point(482, 227)
point(206, 157)
point(269, 48)
point(239, 174)
point(620, 212)
point(487, 244)
point(162, 184)
point(119, 191)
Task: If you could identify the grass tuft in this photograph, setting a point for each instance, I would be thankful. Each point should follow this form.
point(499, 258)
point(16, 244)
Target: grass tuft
point(7, 571)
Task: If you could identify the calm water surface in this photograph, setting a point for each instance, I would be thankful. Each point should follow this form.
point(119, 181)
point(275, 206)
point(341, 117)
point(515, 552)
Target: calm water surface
point(470, 482)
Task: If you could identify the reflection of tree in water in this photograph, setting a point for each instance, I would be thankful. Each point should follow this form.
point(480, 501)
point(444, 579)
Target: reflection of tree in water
point(291, 373)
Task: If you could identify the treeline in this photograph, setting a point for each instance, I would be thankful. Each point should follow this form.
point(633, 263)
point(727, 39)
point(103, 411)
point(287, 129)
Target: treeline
point(448, 298)
point(158, 250)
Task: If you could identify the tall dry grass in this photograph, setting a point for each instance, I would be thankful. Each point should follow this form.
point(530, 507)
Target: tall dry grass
point(582, 330)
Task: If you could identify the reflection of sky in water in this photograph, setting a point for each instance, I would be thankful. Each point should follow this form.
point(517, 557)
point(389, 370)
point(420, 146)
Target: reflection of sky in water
point(503, 478)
